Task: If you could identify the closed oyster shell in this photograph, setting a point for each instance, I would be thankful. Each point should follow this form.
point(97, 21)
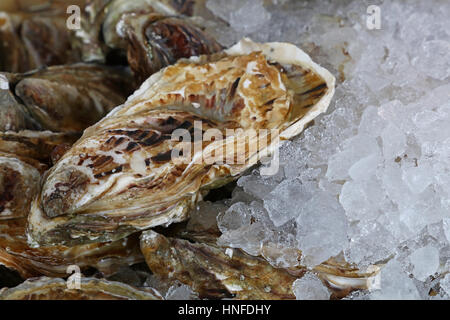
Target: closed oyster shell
point(31, 146)
point(16, 254)
point(90, 289)
point(14, 116)
point(13, 55)
point(48, 41)
point(24, 156)
point(215, 272)
point(29, 41)
point(120, 177)
point(203, 271)
point(19, 184)
point(101, 19)
point(156, 41)
point(70, 98)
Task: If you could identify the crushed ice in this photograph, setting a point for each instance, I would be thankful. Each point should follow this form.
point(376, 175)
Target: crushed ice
point(371, 179)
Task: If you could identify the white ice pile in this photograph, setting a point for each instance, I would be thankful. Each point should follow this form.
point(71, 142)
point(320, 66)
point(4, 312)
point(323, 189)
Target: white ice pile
point(371, 178)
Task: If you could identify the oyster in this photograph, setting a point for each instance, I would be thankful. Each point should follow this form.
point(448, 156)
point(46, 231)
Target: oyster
point(24, 156)
point(34, 146)
point(29, 41)
point(147, 30)
point(13, 55)
point(215, 272)
point(121, 177)
point(156, 41)
point(90, 289)
point(14, 116)
point(191, 254)
point(19, 183)
point(16, 254)
point(68, 98)
point(48, 41)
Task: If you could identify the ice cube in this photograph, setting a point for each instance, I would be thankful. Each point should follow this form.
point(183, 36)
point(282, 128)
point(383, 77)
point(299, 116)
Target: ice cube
point(309, 287)
point(425, 262)
point(395, 284)
point(321, 229)
point(284, 202)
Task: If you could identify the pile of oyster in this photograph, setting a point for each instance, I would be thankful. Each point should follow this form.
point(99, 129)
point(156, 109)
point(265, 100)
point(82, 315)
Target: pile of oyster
point(88, 176)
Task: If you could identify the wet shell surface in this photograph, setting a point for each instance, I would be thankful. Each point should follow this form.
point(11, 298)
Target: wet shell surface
point(191, 254)
point(63, 98)
point(101, 31)
point(19, 184)
point(156, 41)
point(127, 173)
point(90, 289)
point(35, 147)
point(215, 272)
point(30, 41)
point(107, 258)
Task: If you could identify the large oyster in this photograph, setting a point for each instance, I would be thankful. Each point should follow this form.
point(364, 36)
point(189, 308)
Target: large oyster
point(121, 177)
point(90, 289)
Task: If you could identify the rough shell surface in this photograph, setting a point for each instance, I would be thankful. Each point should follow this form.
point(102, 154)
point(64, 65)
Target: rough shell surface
point(101, 34)
point(68, 98)
point(120, 177)
point(90, 289)
point(156, 41)
point(107, 258)
point(31, 41)
point(191, 254)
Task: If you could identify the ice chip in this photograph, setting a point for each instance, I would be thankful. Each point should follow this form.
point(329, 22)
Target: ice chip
point(309, 287)
point(425, 262)
point(395, 284)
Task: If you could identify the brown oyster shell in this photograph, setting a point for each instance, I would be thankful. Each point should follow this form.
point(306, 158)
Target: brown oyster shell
point(90, 289)
point(13, 55)
point(34, 39)
point(215, 272)
point(34, 146)
point(198, 238)
point(156, 41)
point(19, 184)
point(14, 116)
point(120, 178)
point(70, 98)
point(24, 156)
point(99, 37)
point(16, 254)
point(48, 41)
